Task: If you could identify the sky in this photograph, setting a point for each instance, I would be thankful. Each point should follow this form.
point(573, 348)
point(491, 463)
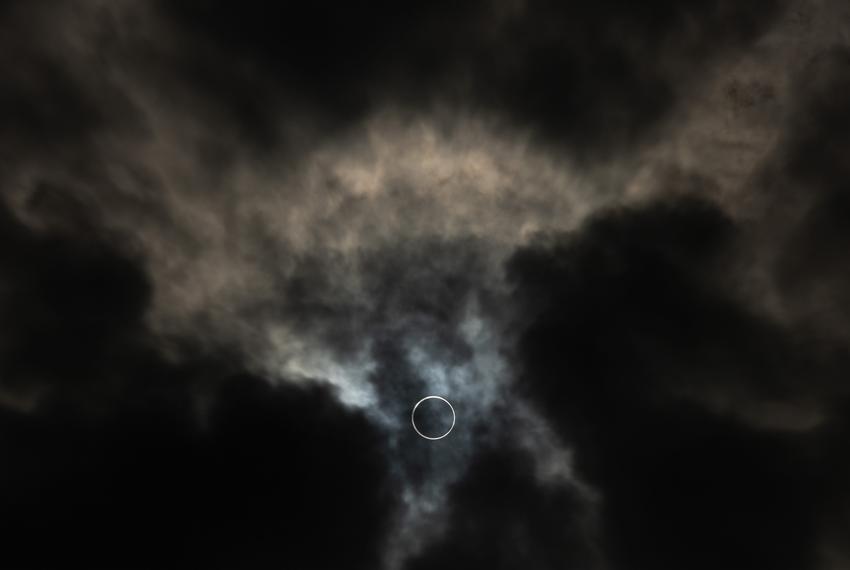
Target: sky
point(239, 241)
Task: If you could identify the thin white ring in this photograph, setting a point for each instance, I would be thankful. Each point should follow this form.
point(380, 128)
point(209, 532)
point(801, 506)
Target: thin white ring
point(432, 398)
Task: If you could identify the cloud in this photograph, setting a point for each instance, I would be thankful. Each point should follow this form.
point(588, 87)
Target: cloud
point(503, 517)
point(808, 173)
point(593, 74)
point(118, 455)
point(645, 355)
point(238, 242)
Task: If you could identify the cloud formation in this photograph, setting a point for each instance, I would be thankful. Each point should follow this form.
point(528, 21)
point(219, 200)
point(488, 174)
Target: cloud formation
point(238, 242)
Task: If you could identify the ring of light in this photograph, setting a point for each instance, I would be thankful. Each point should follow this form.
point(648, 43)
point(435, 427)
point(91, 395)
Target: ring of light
point(432, 398)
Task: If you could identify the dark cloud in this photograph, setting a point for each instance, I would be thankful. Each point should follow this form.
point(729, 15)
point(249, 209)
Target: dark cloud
point(420, 286)
point(649, 286)
point(809, 177)
point(589, 73)
point(71, 304)
point(635, 334)
point(56, 96)
point(274, 477)
point(691, 364)
point(815, 144)
point(122, 458)
point(503, 517)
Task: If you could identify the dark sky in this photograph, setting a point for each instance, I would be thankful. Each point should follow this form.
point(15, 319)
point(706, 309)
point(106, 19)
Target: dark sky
point(240, 240)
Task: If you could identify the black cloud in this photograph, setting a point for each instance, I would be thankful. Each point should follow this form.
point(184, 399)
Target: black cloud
point(125, 459)
point(634, 331)
point(809, 176)
point(707, 418)
point(593, 74)
point(503, 517)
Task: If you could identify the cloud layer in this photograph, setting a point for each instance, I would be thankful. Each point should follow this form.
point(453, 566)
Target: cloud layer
point(238, 242)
